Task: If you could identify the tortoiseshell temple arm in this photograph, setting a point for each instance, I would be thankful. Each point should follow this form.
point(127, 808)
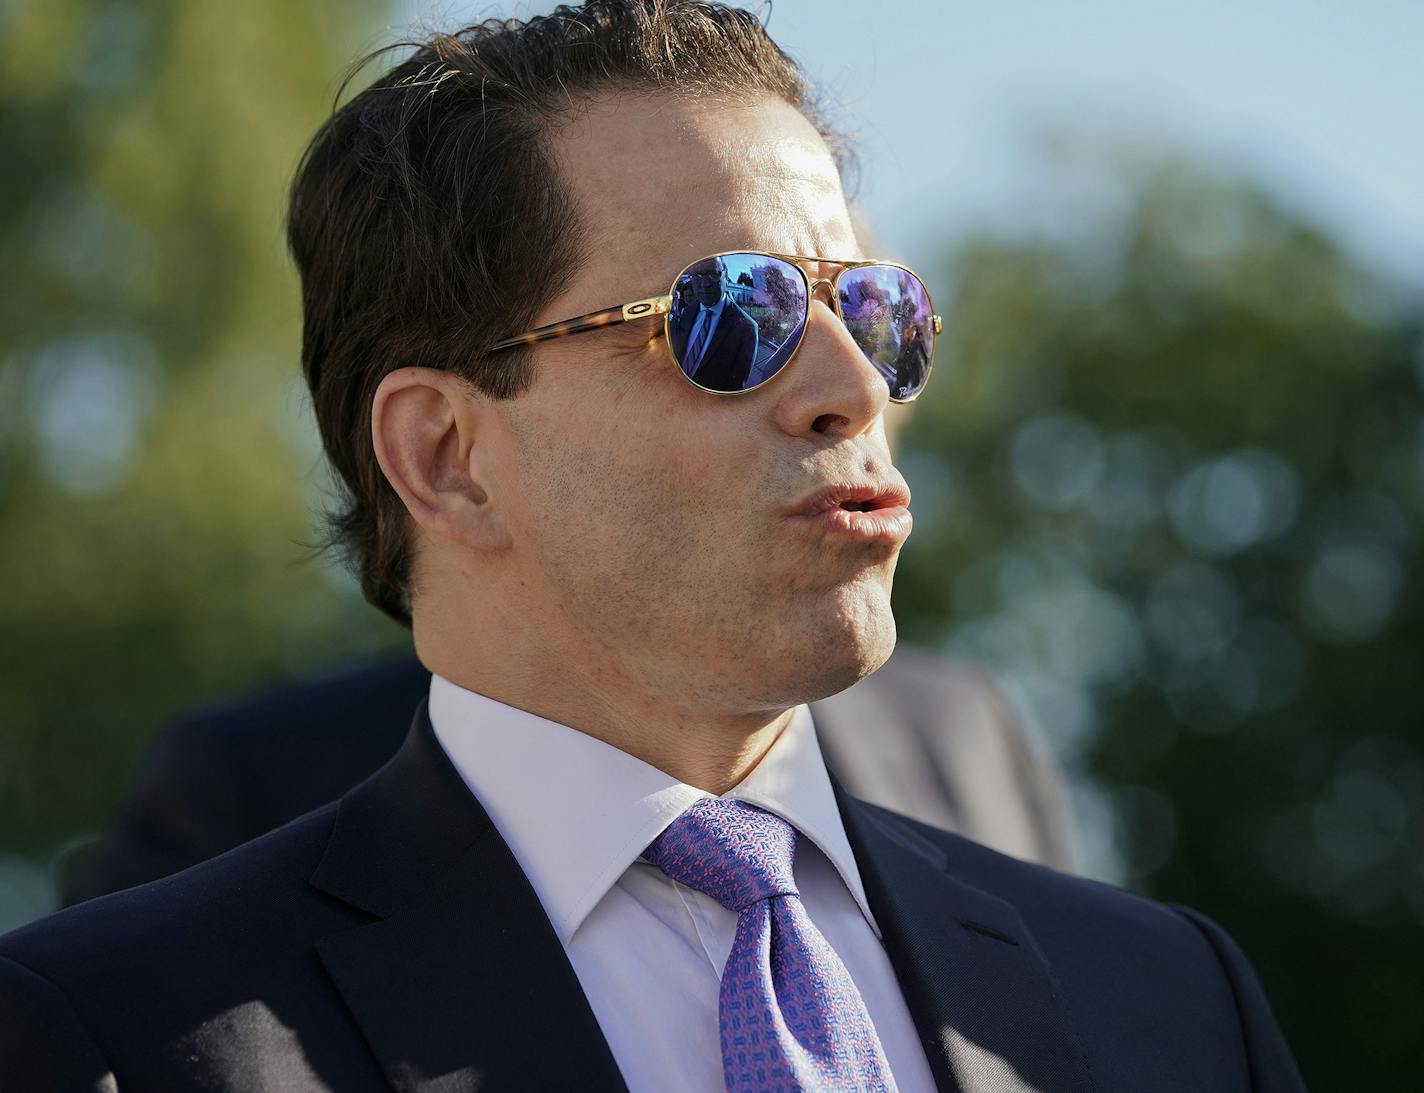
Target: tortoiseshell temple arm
point(638, 309)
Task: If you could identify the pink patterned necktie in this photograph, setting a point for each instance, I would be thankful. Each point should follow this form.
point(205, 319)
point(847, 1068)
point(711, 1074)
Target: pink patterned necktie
point(791, 1017)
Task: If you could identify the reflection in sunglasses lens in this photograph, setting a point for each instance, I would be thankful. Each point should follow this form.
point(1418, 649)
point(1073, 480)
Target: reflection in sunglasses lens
point(887, 311)
point(736, 319)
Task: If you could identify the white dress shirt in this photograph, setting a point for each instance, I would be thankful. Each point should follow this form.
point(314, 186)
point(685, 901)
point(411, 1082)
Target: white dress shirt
point(578, 813)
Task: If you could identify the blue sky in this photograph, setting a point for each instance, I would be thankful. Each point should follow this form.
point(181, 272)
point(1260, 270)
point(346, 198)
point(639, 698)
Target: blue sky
point(1321, 101)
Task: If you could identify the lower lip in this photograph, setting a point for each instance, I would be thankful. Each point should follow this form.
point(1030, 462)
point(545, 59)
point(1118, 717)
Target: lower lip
point(890, 524)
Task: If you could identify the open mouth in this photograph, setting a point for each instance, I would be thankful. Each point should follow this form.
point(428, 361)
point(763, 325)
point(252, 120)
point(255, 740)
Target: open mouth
point(861, 498)
point(866, 512)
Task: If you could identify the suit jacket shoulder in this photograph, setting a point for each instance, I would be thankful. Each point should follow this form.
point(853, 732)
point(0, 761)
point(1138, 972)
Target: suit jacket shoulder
point(174, 983)
point(358, 947)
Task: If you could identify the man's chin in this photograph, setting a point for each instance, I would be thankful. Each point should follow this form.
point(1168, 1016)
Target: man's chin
point(834, 649)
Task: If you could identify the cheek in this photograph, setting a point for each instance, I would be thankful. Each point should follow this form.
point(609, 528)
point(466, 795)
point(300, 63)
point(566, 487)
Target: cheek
point(638, 487)
point(606, 504)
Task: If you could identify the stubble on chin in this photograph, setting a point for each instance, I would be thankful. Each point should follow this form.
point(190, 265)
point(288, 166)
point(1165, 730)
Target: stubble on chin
point(817, 645)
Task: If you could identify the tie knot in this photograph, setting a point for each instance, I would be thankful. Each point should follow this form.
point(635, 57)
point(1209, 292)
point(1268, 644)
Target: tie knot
point(734, 852)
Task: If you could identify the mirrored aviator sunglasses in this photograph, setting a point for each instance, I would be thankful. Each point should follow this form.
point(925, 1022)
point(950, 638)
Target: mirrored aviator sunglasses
point(734, 320)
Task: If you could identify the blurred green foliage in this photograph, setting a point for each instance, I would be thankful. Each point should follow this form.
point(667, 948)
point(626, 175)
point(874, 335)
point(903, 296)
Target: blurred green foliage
point(1170, 485)
point(157, 459)
point(1169, 481)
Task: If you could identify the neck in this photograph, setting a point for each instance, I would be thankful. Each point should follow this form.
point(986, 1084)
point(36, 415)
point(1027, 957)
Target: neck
point(676, 733)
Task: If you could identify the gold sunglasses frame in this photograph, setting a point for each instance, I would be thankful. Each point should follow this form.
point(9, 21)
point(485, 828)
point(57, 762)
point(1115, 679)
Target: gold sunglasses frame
point(653, 306)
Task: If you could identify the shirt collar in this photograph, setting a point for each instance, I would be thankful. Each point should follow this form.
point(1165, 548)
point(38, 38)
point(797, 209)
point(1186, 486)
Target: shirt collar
point(577, 812)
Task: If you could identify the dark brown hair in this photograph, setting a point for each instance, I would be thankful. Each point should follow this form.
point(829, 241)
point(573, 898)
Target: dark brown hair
point(427, 220)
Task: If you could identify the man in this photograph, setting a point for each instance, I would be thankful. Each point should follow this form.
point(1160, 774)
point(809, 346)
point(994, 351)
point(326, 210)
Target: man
point(608, 854)
point(720, 337)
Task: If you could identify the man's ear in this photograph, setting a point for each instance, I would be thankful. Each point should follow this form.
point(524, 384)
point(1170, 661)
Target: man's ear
point(428, 429)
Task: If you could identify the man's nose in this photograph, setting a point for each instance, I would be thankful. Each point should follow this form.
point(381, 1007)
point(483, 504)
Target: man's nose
point(835, 389)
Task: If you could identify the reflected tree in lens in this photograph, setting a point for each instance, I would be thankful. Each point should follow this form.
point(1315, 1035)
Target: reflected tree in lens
point(869, 316)
point(777, 301)
point(887, 312)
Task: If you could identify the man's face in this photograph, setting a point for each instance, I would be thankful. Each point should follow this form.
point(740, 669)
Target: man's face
point(708, 283)
point(652, 517)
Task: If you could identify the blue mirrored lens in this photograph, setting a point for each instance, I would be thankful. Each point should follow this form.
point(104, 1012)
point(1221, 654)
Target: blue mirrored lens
point(736, 320)
point(887, 311)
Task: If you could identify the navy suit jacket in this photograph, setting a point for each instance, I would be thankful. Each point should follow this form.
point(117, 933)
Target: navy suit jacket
point(390, 941)
point(728, 358)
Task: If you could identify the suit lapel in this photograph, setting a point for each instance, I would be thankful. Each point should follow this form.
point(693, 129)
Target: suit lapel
point(981, 994)
point(460, 982)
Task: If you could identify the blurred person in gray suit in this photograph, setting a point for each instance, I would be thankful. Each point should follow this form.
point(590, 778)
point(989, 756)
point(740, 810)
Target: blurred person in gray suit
point(923, 735)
